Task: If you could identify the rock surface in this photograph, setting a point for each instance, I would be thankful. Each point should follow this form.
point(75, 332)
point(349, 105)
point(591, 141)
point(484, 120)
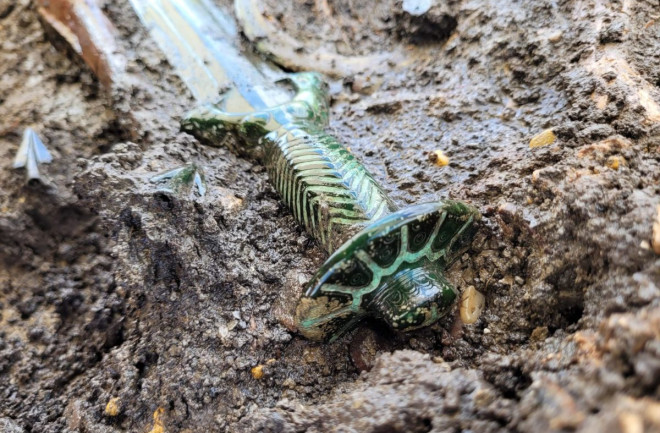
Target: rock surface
point(112, 290)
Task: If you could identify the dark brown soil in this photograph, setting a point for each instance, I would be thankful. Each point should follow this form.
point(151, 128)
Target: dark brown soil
point(112, 291)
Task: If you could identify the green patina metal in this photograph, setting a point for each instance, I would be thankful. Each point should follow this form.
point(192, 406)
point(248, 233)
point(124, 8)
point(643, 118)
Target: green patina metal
point(384, 262)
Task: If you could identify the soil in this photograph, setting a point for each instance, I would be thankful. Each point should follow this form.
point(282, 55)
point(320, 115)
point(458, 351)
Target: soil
point(127, 308)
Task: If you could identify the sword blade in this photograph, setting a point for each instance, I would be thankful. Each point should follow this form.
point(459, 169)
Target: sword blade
point(199, 40)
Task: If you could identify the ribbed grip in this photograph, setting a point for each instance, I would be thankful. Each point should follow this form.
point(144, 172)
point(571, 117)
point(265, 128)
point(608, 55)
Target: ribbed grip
point(327, 189)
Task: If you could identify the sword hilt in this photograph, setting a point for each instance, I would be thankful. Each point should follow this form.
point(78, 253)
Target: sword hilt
point(384, 262)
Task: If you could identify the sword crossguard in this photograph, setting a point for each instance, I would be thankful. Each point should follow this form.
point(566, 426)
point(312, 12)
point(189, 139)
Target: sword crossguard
point(384, 262)
point(234, 118)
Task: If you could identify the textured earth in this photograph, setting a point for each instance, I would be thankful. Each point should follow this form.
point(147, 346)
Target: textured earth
point(126, 308)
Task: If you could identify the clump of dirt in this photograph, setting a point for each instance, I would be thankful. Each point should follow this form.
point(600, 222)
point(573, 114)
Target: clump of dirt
point(346, 27)
point(115, 291)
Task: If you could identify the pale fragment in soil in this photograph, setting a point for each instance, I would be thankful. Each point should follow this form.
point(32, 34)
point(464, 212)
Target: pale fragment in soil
point(655, 240)
point(89, 33)
point(472, 305)
point(612, 60)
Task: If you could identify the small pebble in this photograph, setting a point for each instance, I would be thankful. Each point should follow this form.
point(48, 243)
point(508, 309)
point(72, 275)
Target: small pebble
point(258, 372)
point(159, 426)
point(417, 7)
point(358, 403)
point(555, 37)
point(631, 423)
point(539, 334)
point(439, 158)
point(614, 162)
point(112, 408)
point(544, 138)
point(472, 304)
point(601, 100)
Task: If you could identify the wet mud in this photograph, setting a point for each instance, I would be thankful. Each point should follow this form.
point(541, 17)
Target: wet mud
point(124, 307)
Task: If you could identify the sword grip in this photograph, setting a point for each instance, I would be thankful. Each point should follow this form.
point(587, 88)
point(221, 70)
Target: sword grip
point(327, 189)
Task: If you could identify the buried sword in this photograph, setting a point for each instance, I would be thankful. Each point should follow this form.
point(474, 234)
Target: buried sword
point(384, 262)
